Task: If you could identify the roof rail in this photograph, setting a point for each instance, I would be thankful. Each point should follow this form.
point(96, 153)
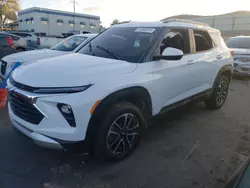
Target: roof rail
point(184, 21)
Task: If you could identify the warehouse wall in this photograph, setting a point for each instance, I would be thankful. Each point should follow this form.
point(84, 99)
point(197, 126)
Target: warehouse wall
point(52, 27)
point(229, 25)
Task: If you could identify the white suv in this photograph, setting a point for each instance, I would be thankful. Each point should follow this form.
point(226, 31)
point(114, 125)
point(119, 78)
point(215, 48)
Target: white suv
point(100, 100)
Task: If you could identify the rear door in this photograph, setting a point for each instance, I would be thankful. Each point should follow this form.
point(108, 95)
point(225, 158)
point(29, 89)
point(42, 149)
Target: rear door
point(5, 47)
point(205, 56)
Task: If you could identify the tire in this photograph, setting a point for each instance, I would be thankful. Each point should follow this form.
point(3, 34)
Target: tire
point(115, 141)
point(19, 50)
point(219, 94)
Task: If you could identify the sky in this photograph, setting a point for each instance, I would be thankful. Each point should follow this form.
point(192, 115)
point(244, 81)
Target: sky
point(141, 10)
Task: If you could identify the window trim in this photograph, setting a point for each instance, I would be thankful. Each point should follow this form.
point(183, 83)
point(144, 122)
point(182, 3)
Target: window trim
point(165, 33)
point(204, 30)
point(147, 57)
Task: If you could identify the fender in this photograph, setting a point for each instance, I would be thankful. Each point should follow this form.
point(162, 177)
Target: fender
point(131, 94)
point(225, 69)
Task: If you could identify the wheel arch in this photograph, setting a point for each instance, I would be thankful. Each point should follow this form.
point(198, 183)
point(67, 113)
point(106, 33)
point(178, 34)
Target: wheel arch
point(137, 95)
point(226, 70)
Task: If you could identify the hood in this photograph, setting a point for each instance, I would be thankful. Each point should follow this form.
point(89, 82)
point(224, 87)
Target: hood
point(241, 51)
point(70, 70)
point(33, 55)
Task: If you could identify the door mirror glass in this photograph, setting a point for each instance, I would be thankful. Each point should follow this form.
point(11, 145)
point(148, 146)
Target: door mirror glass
point(169, 54)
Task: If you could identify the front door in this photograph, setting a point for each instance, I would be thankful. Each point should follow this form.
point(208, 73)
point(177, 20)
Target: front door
point(174, 79)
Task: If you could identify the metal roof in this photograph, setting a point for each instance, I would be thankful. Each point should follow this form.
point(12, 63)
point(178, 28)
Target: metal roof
point(57, 12)
point(169, 23)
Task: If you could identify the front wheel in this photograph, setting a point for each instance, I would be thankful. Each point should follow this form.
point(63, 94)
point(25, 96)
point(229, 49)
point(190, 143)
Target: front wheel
point(119, 134)
point(219, 94)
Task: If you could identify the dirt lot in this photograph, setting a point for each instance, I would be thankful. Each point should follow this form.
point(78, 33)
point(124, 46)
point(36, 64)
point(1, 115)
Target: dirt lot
point(189, 147)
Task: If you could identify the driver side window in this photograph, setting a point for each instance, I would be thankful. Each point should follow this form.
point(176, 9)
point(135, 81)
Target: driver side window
point(175, 38)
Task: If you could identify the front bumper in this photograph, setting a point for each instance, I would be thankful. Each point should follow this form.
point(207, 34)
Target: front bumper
point(51, 143)
point(39, 139)
point(241, 68)
point(240, 73)
point(53, 131)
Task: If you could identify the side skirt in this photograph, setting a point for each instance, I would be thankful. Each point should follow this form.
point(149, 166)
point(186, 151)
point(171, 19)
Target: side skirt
point(195, 98)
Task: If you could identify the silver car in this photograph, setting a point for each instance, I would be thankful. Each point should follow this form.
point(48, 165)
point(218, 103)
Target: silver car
point(21, 43)
point(33, 41)
point(69, 45)
point(241, 47)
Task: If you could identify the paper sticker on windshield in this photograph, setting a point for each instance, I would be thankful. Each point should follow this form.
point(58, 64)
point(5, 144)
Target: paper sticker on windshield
point(145, 30)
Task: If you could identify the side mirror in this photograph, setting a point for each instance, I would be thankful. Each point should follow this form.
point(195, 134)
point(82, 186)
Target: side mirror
point(169, 54)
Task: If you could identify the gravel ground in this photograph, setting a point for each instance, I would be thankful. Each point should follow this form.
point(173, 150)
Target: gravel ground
point(188, 147)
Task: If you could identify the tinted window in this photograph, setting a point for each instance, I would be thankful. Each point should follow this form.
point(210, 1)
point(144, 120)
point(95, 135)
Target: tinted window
point(175, 38)
point(238, 43)
point(69, 44)
point(4, 41)
point(125, 43)
point(203, 40)
point(22, 34)
point(15, 38)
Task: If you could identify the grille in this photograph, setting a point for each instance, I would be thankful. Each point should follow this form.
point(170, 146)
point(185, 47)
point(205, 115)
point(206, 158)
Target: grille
point(22, 108)
point(3, 67)
point(245, 69)
point(236, 64)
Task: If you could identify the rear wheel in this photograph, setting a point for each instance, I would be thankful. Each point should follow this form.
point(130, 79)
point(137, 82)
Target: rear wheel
point(20, 50)
point(119, 133)
point(219, 94)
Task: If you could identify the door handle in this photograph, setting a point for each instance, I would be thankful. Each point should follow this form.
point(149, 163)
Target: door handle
point(219, 56)
point(190, 62)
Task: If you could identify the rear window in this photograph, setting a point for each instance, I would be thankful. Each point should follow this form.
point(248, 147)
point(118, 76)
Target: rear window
point(203, 40)
point(15, 38)
point(238, 43)
point(69, 44)
point(22, 34)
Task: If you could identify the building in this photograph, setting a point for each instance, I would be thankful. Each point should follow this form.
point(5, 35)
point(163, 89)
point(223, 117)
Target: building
point(231, 24)
point(54, 22)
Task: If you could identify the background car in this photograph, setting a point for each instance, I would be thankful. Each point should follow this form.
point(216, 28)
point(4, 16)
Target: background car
point(21, 43)
point(241, 47)
point(33, 40)
point(6, 45)
point(69, 45)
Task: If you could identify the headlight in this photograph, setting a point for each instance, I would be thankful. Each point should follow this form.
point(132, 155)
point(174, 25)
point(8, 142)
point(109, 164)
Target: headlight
point(57, 90)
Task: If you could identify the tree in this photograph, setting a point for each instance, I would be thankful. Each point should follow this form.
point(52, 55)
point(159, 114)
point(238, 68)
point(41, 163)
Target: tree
point(115, 21)
point(8, 10)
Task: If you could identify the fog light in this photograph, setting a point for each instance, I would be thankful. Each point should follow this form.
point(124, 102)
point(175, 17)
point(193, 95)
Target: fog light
point(67, 113)
point(66, 109)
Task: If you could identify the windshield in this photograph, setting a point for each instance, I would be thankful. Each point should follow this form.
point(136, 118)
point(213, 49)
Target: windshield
point(125, 43)
point(239, 43)
point(69, 44)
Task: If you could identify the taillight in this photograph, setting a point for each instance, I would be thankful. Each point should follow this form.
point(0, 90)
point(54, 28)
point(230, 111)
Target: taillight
point(232, 52)
point(10, 41)
point(38, 41)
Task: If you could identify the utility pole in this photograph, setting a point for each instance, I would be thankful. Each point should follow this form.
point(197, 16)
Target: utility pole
point(74, 9)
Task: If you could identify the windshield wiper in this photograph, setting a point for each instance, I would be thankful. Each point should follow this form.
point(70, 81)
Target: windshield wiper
point(108, 52)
